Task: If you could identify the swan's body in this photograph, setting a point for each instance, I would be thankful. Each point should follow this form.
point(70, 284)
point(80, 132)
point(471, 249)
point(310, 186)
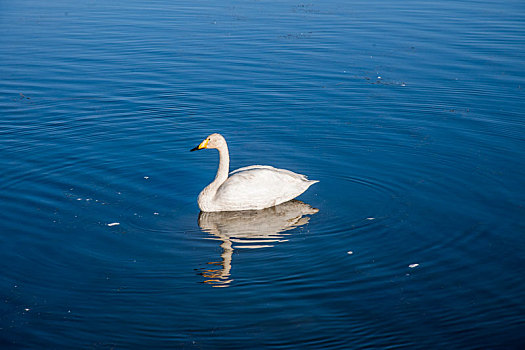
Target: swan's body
point(249, 188)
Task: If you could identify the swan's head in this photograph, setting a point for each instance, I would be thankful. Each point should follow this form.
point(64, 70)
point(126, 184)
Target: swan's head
point(212, 141)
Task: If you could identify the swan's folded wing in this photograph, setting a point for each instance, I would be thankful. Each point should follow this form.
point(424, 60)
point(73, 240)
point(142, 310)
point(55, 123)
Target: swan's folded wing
point(271, 168)
point(261, 186)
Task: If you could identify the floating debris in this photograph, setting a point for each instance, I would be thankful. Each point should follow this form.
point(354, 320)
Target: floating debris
point(413, 265)
point(146, 177)
point(114, 224)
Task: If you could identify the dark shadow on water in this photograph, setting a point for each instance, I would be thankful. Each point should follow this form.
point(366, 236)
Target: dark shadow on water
point(249, 229)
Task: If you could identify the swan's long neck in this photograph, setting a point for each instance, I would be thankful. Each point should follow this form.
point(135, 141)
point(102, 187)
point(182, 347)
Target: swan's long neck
point(224, 167)
point(206, 197)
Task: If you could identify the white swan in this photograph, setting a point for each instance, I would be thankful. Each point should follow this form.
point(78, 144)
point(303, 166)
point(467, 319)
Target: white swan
point(249, 188)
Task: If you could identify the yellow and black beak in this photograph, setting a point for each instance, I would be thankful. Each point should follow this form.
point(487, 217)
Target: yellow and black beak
point(202, 145)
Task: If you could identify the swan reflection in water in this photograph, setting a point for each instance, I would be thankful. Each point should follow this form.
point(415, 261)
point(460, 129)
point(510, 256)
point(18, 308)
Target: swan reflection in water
point(249, 229)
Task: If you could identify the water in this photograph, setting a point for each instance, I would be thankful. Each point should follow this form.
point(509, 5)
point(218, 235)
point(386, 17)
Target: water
point(410, 114)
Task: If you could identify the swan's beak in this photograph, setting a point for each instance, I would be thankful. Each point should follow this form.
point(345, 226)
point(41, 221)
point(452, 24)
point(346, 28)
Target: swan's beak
point(201, 146)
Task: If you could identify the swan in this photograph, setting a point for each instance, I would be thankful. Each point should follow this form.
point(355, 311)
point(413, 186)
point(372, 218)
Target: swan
point(250, 188)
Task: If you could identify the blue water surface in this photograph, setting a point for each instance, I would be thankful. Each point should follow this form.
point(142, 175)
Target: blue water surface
point(410, 114)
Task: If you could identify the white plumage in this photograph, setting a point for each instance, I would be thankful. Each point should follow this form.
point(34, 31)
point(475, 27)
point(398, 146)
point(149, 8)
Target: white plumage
point(249, 188)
